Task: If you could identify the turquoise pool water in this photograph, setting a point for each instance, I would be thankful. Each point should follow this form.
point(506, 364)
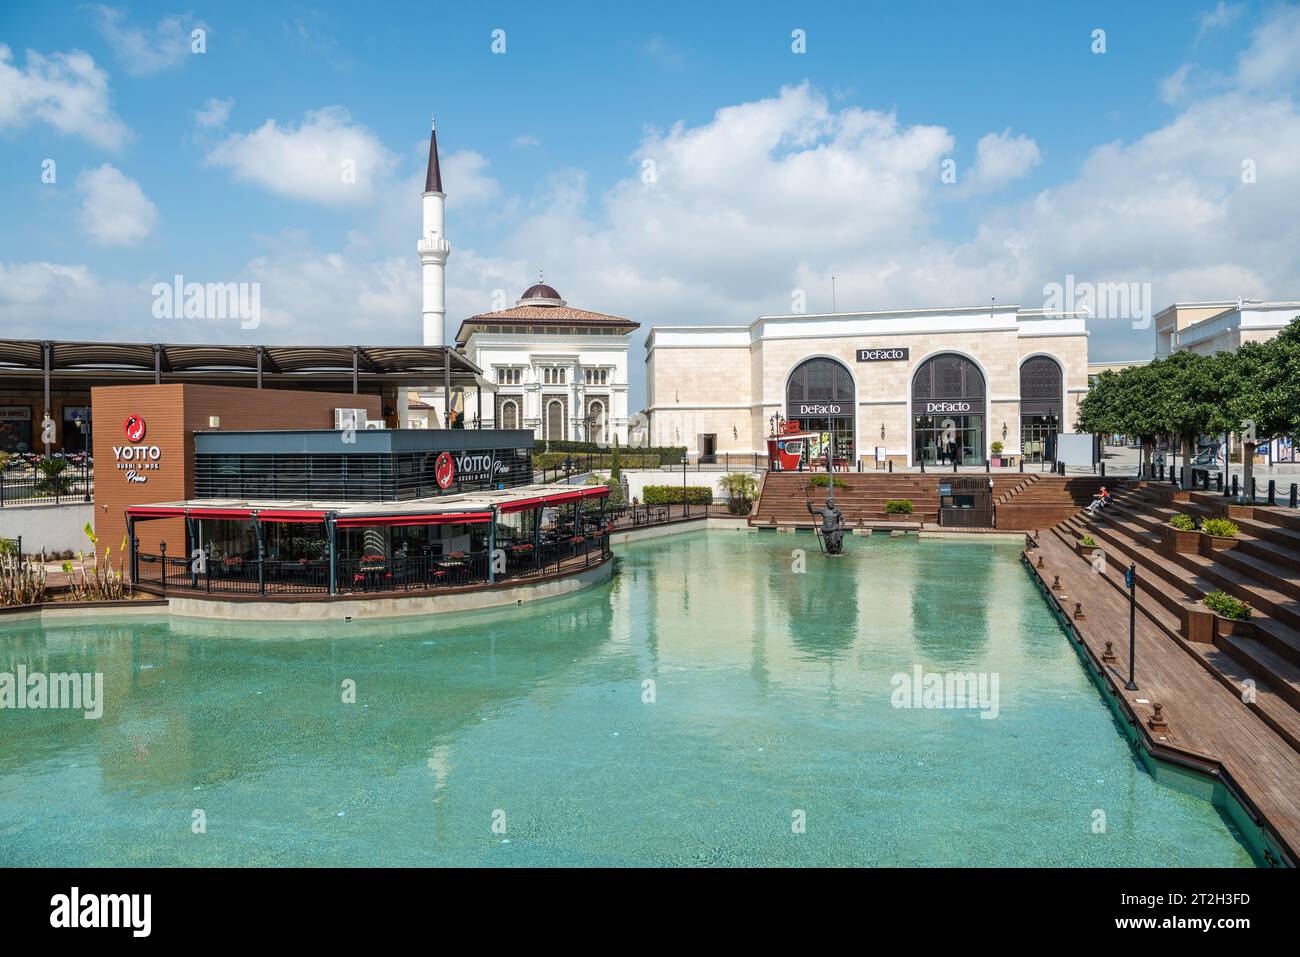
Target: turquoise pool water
point(771, 705)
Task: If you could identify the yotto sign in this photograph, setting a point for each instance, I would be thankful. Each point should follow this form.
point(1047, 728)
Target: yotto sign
point(883, 355)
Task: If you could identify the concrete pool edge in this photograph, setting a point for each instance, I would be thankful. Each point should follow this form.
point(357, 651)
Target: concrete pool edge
point(1170, 765)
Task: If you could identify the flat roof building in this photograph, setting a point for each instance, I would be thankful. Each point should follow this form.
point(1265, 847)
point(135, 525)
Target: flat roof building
point(902, 386)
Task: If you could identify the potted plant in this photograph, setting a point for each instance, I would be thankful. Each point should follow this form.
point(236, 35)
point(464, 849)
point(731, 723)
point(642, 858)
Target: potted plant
point(996, 449)
point(1088, 546)
point(1218, 534)
point(1217, 615)
point(1180, 536)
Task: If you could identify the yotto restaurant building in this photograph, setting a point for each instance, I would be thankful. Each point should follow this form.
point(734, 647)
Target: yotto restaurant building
point(910, 386)
point(231, 500)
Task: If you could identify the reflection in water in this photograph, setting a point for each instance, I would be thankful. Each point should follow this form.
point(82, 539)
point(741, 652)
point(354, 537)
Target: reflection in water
point(772, 693)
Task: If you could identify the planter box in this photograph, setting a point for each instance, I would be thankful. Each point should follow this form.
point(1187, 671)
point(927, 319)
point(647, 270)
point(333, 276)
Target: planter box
point(1167, 493)
point(1087, 551)
point(1178, 542)
point(1202, 625)
point(1246, 512)
point(1216, 543)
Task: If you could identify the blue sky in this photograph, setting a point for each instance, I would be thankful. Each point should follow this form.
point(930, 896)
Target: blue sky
point(776, 169)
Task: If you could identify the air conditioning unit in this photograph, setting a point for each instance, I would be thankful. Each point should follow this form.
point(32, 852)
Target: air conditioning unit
point(374, 426)
point(349, 418)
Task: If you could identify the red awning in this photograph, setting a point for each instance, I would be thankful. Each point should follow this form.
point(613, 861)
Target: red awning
point(283, 515)
point(557, 498)
point(434, 518)
point(155, 511)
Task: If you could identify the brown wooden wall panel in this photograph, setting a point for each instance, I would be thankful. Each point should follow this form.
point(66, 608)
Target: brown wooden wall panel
point(172, 414)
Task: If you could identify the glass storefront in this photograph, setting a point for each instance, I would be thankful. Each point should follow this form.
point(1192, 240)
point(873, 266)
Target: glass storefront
point(1038, 437)
point(948, 408)
point(820, 396)
point(941, 439)
point(1040, 408)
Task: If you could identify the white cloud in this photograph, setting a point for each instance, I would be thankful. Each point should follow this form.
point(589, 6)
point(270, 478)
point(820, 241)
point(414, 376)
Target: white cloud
point(143, 51)
point(65, 90)
point(1273, 58)
point(1221, 16)
point(114, 210)
point(465, 174)
point(215, 112)
point(327, 159)
point(1001, 158)
point(1174, 87)
point(527, 140)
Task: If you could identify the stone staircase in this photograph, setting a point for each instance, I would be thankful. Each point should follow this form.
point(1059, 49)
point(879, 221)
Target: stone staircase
point(1262, 570)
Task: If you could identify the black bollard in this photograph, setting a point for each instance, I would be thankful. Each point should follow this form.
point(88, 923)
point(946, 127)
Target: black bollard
point(1272, 492)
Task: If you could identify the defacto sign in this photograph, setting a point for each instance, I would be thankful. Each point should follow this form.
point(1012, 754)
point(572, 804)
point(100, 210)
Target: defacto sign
point(800, 410)
point(883, 355)
point(944, 408)
point(136, 460)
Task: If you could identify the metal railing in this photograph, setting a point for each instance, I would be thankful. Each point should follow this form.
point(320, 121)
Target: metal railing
point(28, 487)
point(554, 553)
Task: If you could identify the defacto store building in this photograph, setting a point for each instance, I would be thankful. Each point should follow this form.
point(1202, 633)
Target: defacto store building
point(912, 386)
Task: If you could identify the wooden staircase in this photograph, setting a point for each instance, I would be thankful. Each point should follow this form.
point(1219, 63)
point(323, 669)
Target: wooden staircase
point(1262, 570)
point(1044, 500)
point(862, 499)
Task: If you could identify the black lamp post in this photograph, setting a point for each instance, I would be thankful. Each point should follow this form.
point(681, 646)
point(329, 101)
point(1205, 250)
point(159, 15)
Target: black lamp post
point(84, 426)
point(684, 505)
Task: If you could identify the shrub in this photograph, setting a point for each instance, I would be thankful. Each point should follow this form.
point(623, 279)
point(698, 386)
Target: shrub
point(741, 487)
point(1221, 603)
point(672, 495)
point(662, 455)
point(996, 448)
point(819, 481)
point(21, 583)
point(1220, 527)
point(898, 506)
point(1184, 523)
point(1088, 542)
point(555, 460)
point(52, 481)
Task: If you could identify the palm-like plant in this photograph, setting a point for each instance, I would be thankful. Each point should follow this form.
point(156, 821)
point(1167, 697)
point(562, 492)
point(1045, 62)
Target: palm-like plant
point(51, 480)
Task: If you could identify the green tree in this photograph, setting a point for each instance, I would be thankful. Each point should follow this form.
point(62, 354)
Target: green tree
point(1264, 393)
point(615, 482)
point(1192, 394)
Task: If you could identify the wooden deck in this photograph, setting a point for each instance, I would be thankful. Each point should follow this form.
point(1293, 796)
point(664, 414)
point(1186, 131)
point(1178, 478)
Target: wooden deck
point(1209, 727)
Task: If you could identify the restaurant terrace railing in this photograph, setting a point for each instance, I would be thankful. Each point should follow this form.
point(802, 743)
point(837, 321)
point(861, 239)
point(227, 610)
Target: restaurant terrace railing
point(552, 554)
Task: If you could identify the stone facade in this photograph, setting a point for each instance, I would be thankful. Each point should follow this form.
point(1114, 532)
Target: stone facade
point(729, 382)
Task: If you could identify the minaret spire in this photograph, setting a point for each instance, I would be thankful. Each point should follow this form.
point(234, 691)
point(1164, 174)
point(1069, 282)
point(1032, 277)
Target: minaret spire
point(433, 248)
point(433, 177)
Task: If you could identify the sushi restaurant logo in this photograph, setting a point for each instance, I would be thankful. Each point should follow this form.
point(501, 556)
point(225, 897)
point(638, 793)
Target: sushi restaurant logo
point(953, 690)
point(136, 460)
point(24, 690)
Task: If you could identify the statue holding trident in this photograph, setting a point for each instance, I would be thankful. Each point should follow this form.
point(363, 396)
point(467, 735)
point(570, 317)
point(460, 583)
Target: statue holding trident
point(832, 530)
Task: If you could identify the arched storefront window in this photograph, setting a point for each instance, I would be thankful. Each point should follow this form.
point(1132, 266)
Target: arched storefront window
point(949, 403)
point(555, 420)
point(1041, 408)
point(820, 396)
point(596, 421)
point(509, 418)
